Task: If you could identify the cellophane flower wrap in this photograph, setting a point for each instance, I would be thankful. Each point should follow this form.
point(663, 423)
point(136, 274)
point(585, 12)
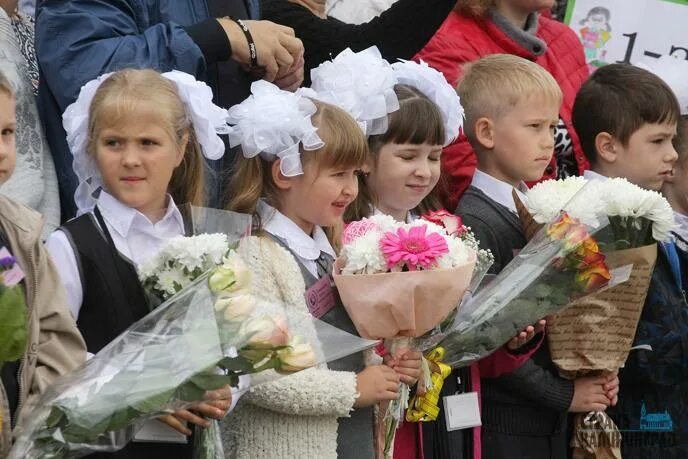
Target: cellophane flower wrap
point(595, 335)
point(209, 330)
point(399, 281)
point(561, 263)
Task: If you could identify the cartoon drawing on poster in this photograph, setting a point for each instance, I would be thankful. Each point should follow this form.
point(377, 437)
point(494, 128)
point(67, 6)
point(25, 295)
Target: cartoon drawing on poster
point(629, 31)
point(594, 35)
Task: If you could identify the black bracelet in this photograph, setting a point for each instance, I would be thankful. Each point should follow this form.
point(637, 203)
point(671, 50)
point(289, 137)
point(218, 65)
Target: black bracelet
point(252, 52)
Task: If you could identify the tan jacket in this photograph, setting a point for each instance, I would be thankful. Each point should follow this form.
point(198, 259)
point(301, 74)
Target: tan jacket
point(55, 345)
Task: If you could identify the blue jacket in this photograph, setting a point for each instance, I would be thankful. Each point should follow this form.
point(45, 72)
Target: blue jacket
point(653, 399)
point(78, 40)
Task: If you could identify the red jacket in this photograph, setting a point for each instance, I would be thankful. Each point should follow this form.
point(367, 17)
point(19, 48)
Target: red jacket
point(462, 39)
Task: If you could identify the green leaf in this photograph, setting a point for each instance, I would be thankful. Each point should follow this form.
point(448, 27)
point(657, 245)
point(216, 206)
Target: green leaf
point(154, 403)
point(209, 381)
point(13, 331)
point(236, 364)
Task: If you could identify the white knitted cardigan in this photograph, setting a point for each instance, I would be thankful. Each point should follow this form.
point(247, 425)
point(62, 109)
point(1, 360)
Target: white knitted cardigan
point(295, 416)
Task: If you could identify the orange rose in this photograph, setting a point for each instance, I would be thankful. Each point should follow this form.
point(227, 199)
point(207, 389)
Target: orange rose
point(594, 276)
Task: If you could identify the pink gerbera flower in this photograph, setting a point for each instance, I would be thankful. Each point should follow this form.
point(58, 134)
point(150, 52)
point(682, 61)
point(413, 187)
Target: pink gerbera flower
point(413, 247)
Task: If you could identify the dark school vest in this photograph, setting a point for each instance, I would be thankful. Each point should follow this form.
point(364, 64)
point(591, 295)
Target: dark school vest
point(355, 433)
point(113, 300)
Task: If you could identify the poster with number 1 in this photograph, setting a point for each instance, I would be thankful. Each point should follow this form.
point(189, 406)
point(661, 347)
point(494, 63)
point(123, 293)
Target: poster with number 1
point(629, 31)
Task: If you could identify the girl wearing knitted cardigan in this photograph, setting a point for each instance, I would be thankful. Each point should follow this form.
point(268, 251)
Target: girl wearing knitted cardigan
point(320, 412)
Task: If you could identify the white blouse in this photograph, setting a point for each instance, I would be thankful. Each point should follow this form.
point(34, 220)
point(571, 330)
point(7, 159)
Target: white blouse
point(138, 239)
point(307, 248)
point(134, 236)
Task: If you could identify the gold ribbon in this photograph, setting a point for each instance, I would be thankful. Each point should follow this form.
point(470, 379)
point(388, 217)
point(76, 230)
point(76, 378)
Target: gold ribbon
point(425, 408)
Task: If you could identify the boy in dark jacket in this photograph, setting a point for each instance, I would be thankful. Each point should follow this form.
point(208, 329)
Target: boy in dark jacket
point(626, 118)
point(512, 109)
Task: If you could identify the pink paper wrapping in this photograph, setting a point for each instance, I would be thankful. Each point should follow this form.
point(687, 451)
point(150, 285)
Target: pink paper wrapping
point(388, 305)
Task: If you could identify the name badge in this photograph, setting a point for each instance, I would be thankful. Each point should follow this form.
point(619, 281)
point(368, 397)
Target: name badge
point(320, 298)
point(12, 276)
point(462, 411)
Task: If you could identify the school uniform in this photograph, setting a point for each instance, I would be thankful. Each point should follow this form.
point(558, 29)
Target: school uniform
point(315, 258)
point(524, 412)
point(98, 253)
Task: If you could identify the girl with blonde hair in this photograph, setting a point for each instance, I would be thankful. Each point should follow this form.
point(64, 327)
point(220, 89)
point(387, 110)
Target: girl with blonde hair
point(138, 138)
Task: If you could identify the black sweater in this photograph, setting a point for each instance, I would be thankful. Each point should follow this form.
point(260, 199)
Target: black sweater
point(532, 400)
point(399, 33)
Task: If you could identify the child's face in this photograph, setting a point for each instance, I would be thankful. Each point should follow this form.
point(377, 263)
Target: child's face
point(8, 126)
point(403, 175)
point(597, 21)
point(319, 196)
point(648, 158)
point(136, 161)
point(523, 140)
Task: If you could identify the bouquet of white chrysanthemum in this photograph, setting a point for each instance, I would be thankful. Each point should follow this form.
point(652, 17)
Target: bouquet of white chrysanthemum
point(181, 261)
point(637, 216)
point(595, 335)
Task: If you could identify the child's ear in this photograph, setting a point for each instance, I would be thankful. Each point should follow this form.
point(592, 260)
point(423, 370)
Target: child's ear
point(606, 146)
point(281, 181)
point(484, 132)
point(181, 151)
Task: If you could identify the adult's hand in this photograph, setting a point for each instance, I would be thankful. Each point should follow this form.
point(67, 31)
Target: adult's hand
point(290, 79)
point(276, 46)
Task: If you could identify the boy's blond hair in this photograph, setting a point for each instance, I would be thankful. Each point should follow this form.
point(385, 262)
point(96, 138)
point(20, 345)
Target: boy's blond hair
point(495, 84)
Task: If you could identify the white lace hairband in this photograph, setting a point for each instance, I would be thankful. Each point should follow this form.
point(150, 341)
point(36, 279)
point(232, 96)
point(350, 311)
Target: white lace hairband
point(435, 87)
point(272, 123)
point(674, 72)
point(360, 83)
point(208, 122)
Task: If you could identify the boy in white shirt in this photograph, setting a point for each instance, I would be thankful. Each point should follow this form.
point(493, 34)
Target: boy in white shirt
point(512, 110)
point(626, 118)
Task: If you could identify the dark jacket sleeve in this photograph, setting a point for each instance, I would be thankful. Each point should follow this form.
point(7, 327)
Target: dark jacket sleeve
point(539, 385)
point(78, 40)
point(400, 32)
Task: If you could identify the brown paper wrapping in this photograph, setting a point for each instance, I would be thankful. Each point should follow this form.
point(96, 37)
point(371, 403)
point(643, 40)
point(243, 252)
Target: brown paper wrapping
point(597, 332)
point(387, 305)
point(595, 437)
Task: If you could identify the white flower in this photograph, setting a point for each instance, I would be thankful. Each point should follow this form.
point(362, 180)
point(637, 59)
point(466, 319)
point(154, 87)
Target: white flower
point(171, 281)
point(235, 307)
point(457, 255)
point(181, 260)
point(547, 199)
point(625, 199)
point(364, 256)
point(587, 201)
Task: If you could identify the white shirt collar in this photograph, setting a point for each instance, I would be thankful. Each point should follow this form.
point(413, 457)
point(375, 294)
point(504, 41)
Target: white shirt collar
point(592, 175)
point(303, 245)
point(681, 227)
point(499, 191)
point(122, 217)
